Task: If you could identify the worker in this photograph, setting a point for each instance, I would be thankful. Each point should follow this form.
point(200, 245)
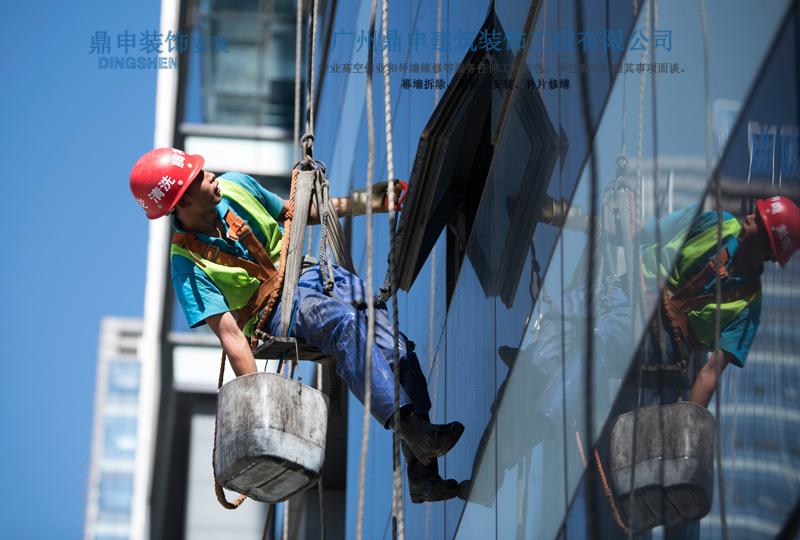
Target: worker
point(688, 300)
point(227, 241)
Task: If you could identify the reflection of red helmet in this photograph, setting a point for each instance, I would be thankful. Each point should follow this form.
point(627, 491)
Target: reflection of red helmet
point(781, 217)
point(160, 177)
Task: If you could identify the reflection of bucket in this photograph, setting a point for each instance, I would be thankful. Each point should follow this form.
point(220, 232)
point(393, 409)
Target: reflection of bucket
point(270, 436)
point(673, 472)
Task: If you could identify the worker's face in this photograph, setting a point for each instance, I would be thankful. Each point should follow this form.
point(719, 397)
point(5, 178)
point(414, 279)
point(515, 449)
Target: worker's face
point(753, 238)
point(203, 193)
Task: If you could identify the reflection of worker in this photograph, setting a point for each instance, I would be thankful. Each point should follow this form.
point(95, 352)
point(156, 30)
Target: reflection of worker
point(227, 241)
point(689, 298)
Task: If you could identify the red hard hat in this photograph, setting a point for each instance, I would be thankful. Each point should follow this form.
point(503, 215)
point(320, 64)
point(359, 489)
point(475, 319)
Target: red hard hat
point(161, 176)
point(781, 217)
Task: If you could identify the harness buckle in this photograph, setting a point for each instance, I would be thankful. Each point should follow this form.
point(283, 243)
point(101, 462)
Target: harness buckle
point(215, 255)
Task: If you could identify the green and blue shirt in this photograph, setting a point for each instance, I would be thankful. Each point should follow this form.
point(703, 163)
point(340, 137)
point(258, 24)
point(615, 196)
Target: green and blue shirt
point(198, 294)
point(691, 241)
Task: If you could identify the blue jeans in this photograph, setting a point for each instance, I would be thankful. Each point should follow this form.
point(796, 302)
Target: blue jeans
point(337, 327)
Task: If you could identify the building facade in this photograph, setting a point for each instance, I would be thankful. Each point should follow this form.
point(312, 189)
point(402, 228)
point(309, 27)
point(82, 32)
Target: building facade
point(110, 498)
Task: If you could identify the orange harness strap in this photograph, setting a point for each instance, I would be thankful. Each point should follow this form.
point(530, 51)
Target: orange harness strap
point(264, 269)
point(676, 305)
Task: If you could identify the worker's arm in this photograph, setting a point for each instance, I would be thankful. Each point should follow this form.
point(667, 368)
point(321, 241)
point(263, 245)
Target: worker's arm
point(343, 207)
point(554, 212)
point(233, 342)
point(357, 204)
point(708, 378)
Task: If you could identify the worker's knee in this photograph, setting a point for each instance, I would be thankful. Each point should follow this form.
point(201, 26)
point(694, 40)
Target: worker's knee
point(349, 324)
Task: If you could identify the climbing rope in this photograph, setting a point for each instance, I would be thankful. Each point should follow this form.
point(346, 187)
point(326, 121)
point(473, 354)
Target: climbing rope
point(718, 280)
point(285, 528)
point(287, 233)
point(562, 331)
point(298, 60)
point(320, 489)
point(218, 491)
point(311, 56)
point(717, 350)
point(362, 468)
point(432, 281)
point(322, 198)
point(640, 283)
point(653, 13)
point(398, 523)
point(591, 514)
point(604, 481)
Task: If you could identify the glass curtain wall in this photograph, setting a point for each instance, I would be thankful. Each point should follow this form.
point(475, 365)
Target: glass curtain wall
point(655, 151)
point(507, 354)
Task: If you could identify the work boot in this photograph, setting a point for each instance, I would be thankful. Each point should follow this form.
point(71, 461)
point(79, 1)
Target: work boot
point(425, 440)
point(424, 482)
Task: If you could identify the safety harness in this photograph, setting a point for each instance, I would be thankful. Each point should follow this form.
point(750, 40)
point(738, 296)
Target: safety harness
point(264, 270)
point(677, 304)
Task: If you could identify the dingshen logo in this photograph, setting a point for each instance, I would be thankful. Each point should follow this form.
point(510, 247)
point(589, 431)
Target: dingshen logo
point(143, 50)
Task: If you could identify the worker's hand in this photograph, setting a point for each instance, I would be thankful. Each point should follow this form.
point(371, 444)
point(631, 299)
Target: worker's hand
point(400, 191)
point(378, 199)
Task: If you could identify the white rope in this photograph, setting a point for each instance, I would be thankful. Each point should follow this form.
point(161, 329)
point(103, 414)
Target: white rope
point(320, 487)
point(397, 474)
point(640, 140)
point(387, 99)
point(432, 283)
point(285, 532)
point(298, 59)
point(311, 59)
point(640, 188)
point(362, 470)
point(588, 368)
point(718, 288)
point(651, 21)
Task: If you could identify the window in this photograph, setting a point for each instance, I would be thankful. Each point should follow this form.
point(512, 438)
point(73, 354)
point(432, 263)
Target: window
point(120, 437)
point(116, 493)
point(123, 382)
point(455, 156)
point(252, 82)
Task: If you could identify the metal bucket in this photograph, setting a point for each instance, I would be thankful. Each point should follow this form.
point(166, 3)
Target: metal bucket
point(673, 478)
point(270, 436)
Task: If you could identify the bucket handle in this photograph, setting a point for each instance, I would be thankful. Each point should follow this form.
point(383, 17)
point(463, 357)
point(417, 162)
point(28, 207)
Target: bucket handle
point(217, 486)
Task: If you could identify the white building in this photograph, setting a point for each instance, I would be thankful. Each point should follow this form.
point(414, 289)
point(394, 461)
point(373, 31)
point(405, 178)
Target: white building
point(114, 435)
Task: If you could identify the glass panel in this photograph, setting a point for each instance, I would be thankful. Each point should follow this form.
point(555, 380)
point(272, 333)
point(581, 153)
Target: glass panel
point(116, 492)
point(123, 382)
point(760, 405)
point(471, 367)
point(252, 82)
point(650, 166)
point(120, 437)
point(526, 444)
